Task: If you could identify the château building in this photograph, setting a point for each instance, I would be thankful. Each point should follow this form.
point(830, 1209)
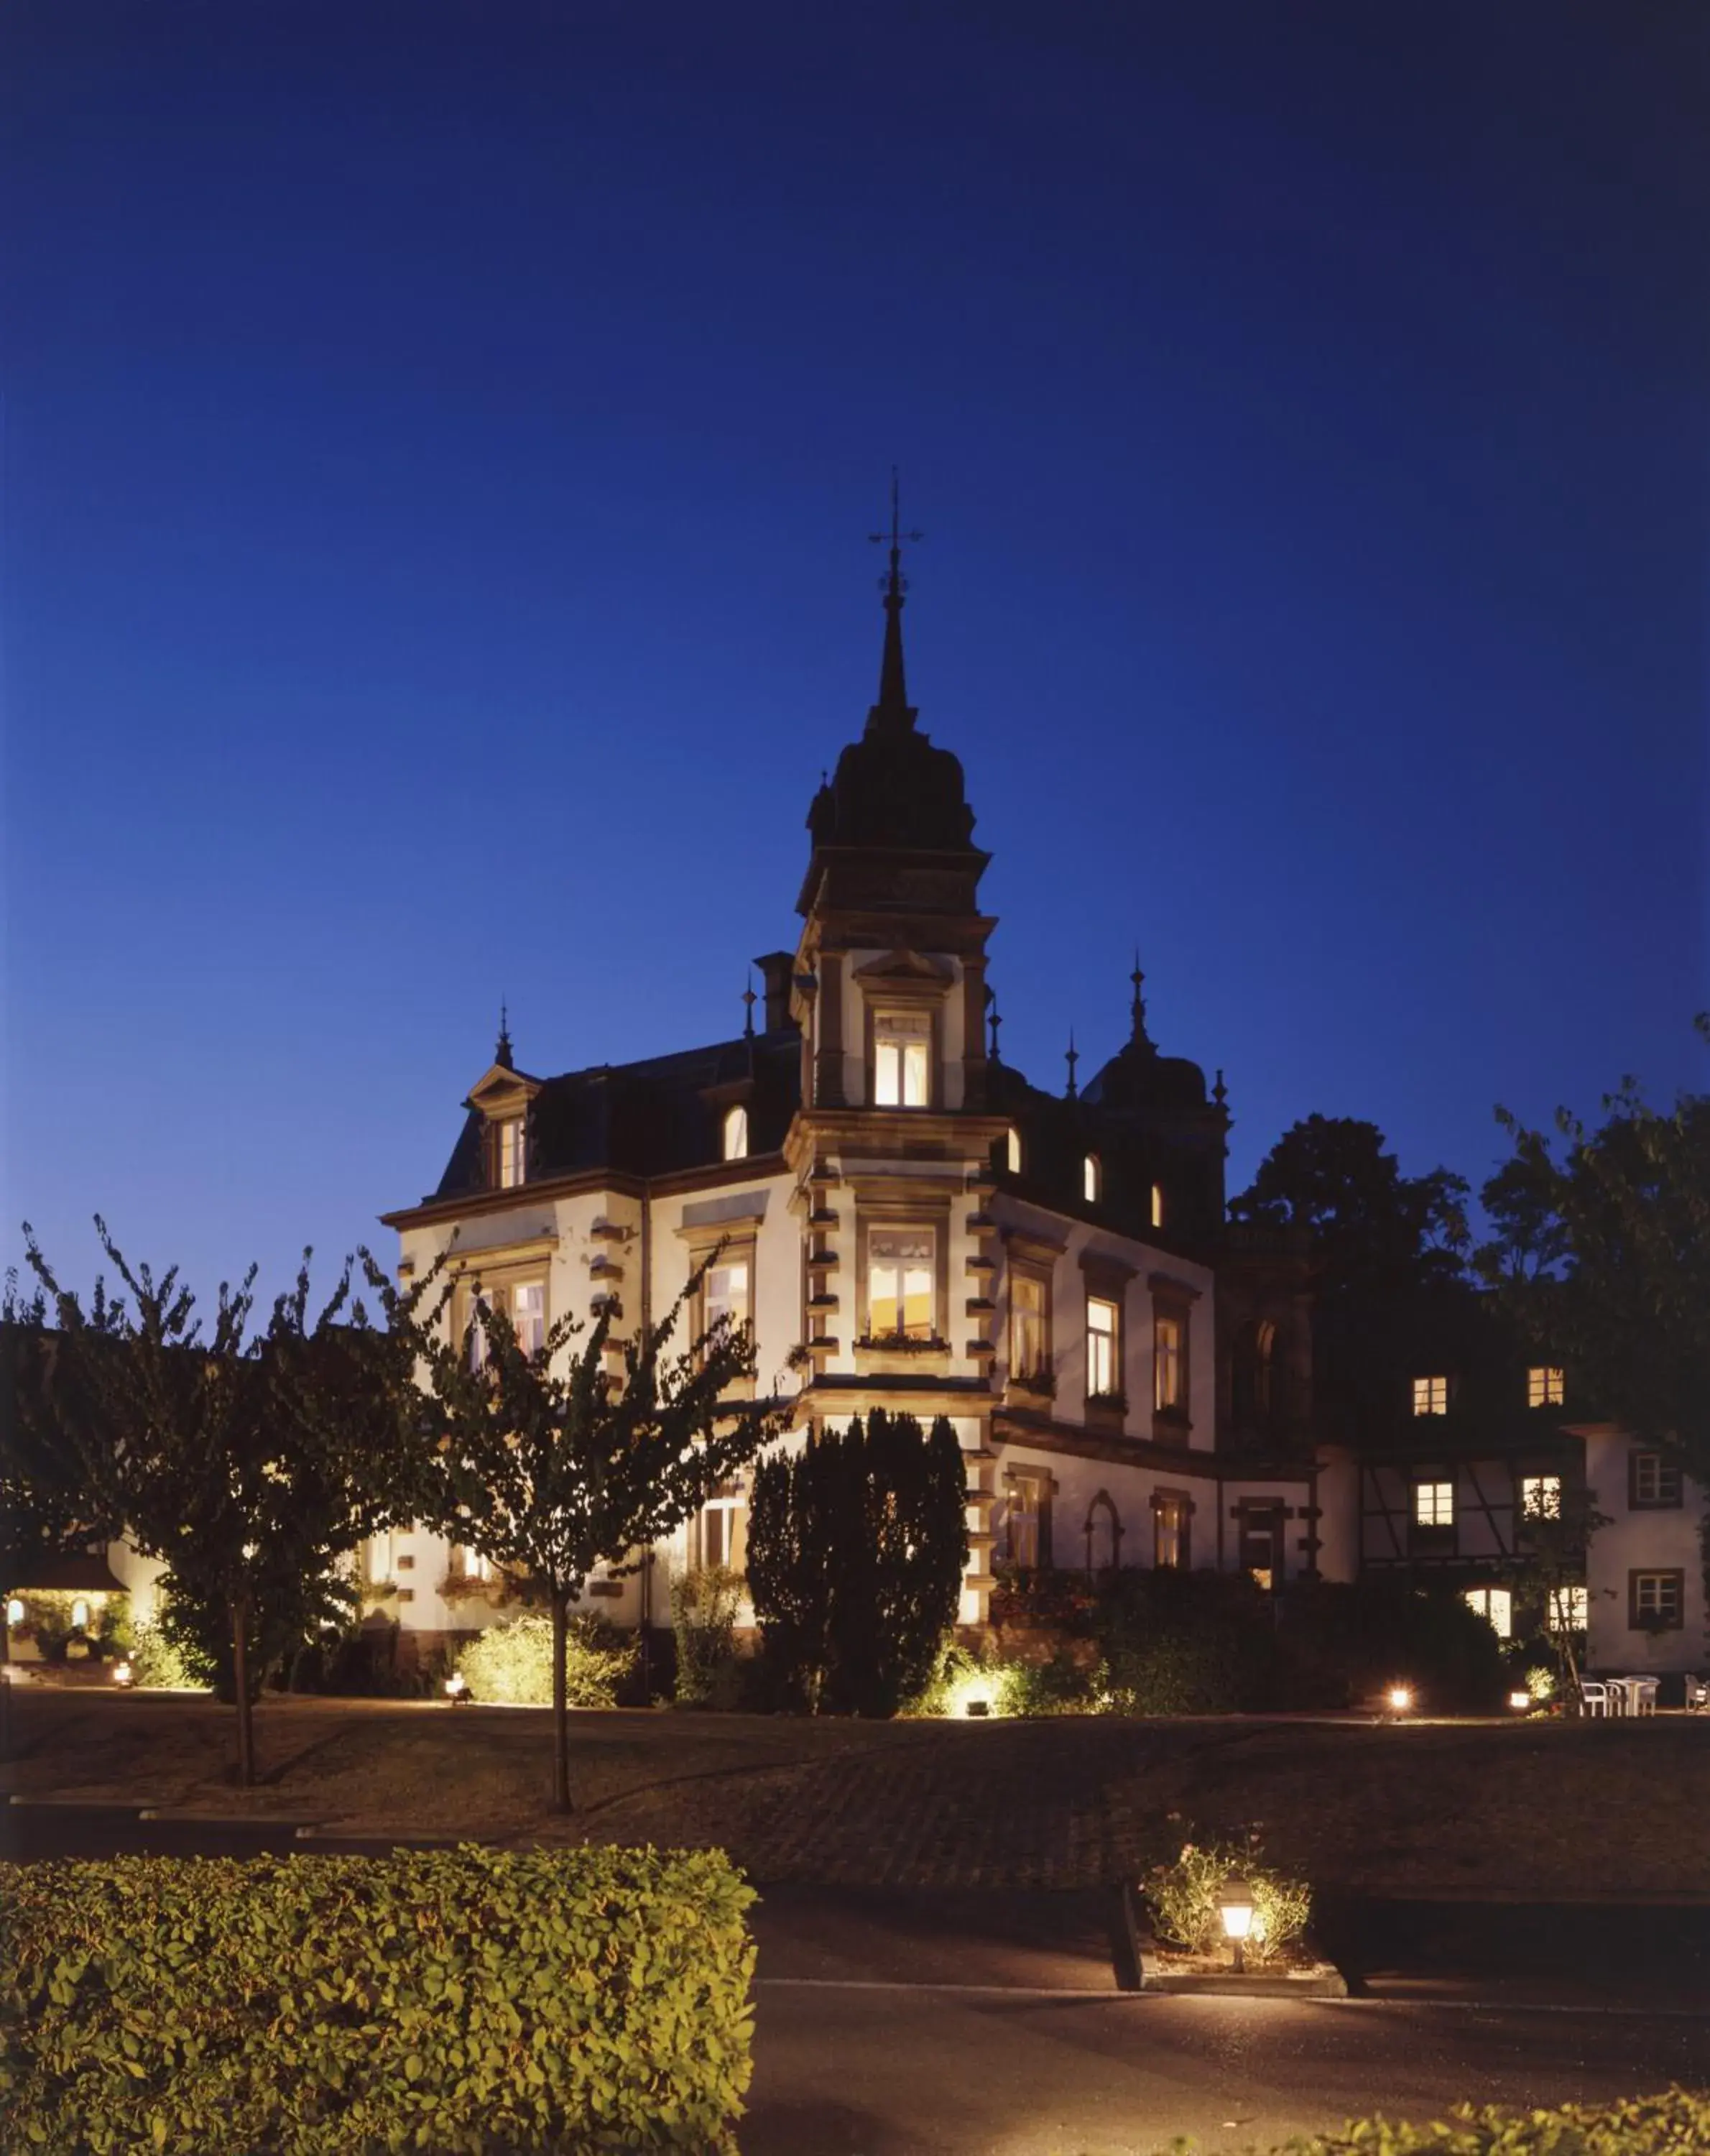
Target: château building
point(1129, 1378)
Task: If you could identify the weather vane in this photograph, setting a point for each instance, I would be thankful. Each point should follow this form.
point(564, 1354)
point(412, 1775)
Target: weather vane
point(894, 580)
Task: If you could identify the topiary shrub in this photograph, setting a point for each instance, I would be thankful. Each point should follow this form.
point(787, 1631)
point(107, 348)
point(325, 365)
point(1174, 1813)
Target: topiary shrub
point(570, 2001)
point(703, 1606)
point(1182, 1898)
point(510, 1664)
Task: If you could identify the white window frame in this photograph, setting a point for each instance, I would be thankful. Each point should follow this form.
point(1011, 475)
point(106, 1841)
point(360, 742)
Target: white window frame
point(902, 1058)
point(1540, 1497)
point(1544, 1386)
point(1434, 1503)
point(1103, 1346)
point(1570, 1610)
point(1092, 1179)
point(1496, 1605)
point(720, 1528)
point(513, 1153)
point(1169, 1361)
point(883, 1231)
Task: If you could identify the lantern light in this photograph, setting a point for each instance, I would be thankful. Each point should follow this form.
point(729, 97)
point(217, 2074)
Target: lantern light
point(457, 1688)
point(1521, 1701)
point(1400, 1697)
point(122, 1674)
point(1235, 1906)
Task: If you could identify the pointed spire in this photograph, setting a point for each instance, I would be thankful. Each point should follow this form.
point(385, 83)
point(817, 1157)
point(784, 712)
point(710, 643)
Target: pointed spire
point(502, 1055)
point(1071, 1057)
point(994, 1021)
point(750, 1000)
point(1137, 1007)
point(893, 706)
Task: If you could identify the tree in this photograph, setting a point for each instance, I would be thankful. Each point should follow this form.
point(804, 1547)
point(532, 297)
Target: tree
point(856, 1551)
point(1601, 1257)
point(46, 1511)
point(250, 1463)
point(1388, 1258)
point(548, 1465)
point(1621, 1296)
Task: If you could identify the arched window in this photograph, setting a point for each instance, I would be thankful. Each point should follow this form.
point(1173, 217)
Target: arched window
point(1015, 1151)
point(735, 1133)
point(79, 1613)
point(1104, 1532)
point(1091, 1179)
point(14, 1612)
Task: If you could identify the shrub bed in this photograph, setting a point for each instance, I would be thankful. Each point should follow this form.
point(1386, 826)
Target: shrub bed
point(457, 2000)
point(1672, 2125)
point(511, 1663)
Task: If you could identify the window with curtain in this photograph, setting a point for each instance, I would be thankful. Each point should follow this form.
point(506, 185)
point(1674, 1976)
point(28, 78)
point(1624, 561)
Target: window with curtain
point(1169, 1374)
point(512, 1153)
point(1030, 1346)
point(1169, 1533)
point(1030, 1523)
point(1103, 1347)
point(527, 1315)
point(901, 1290)
point(721, 1530)
point(902, 1059)
point(1544, 1387)
point(726, 1293)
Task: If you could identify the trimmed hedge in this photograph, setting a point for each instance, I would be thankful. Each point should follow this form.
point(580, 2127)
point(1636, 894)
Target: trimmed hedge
point(458, 2000)
point(1677, 2124)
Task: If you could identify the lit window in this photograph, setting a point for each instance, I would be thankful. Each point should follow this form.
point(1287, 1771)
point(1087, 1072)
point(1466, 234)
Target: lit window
point(726, 1294)
point(1434, 1504)
point(79, 1615)
point(1103, 1360)
point(899, 1283)
point(1157, 1205)
point(1541, 1496)
point(1092, 1178)
point(721, 1536)
point(1496, 1605)
point(902, 1056)
point(468, 1563)
point(1169, 1378)
point(1030, 1523)
point(512, 1153)
point(1430, 1396)
point(1029, 1354)
point(1652, 1481)
point(528, 1306)
point(1169, 1533)
point(1544, 1388)
point(737, 1134)
point(1015, 1151)
point(14, 1612)
point(1569, 1609)
point(379, 1556)
point(1655, 1600)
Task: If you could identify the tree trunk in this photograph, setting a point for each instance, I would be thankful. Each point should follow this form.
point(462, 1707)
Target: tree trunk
point(240, 1676)
point(561, 1704)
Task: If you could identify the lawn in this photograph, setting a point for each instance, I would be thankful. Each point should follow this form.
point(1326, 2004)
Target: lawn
point(1523, 1808)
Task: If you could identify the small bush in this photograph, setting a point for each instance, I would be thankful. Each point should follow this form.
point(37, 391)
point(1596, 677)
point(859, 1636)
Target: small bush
point(510, 1663)
point(1670, 2125)
point(573, 2001)
point(1182, 1898)
point(162, 1664)
point(703, 1606)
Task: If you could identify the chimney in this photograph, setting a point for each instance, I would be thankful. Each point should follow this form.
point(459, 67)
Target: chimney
point(776, 970)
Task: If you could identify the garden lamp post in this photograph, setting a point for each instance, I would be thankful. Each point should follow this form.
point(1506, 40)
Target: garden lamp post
point(1235, 1906)
point(1400, 1697)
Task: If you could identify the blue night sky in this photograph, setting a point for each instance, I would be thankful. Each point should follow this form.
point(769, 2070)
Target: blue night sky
point(440, 445)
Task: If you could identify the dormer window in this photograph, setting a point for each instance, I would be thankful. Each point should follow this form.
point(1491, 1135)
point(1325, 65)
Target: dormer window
point(1091, 1179)
point(511, 1153)
point(735, 1133)
point(902, 1059)
point(1157, 1205)
point(1013, 1154)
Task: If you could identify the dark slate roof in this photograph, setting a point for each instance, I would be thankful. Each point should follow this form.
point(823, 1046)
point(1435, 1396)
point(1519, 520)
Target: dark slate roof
point(82, 1573)
point(653, 1117)
point(893, 788)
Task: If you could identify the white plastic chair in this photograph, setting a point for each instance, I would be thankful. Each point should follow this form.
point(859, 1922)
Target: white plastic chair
point(1698, 1695)
point(1594, 1696)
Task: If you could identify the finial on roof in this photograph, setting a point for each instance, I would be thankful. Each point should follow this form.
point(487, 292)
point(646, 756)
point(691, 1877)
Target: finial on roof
point(502, 1055)
point(892, 705)
point(750, 1000)
point(994, 1021)
point(1071, 1057)
point(1220, 1091)
point(1137, 1007)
